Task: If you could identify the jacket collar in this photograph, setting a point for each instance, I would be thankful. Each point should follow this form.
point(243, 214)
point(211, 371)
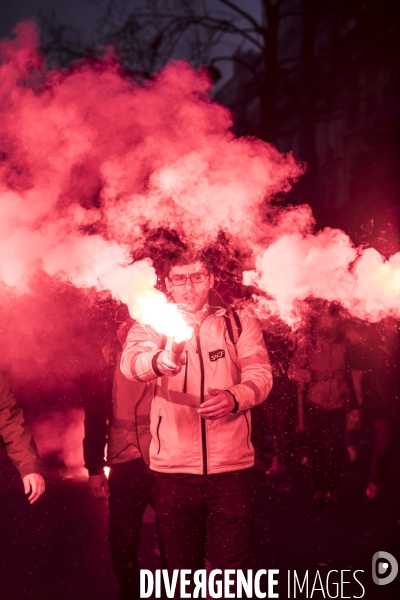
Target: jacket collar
point(214, 306)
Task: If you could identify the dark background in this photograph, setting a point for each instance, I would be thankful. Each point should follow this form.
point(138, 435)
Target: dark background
point(320, 77)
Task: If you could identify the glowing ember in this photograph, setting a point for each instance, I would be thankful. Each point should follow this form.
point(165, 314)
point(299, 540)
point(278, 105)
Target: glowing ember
point(107, 472)
point(153, 309)
point(134, 285)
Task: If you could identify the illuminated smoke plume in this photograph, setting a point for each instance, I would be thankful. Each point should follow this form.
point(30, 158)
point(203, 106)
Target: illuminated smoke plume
point(88, 148)
point(300, 265)
point(89, 158)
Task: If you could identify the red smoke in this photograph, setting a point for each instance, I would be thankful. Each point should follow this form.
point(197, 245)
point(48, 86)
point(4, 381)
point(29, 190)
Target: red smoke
point(300, 265)
point(60, 436)
point(89, 157)
point(90, 148)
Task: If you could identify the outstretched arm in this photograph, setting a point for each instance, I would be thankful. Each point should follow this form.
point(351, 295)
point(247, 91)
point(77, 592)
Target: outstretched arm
point(143, 358)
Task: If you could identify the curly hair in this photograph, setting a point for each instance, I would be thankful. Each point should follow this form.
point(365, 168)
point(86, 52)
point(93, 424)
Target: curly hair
point(186, 256)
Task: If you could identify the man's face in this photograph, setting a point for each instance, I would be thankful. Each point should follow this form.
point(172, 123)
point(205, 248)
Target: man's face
point(194, 292)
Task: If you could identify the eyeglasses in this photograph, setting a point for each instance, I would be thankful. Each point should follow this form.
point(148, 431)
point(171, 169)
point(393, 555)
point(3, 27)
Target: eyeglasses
point(182, 279)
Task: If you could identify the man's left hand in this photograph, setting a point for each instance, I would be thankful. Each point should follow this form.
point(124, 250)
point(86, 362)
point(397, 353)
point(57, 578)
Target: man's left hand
point(98, 485)
point(218, 404)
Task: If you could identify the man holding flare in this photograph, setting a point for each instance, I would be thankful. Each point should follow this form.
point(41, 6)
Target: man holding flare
point(201, 453)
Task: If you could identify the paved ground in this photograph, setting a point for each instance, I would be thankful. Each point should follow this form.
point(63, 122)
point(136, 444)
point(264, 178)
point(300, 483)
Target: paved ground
point(57, 549)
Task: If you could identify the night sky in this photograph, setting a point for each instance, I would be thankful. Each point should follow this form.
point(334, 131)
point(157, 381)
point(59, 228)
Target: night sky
point(80, 13)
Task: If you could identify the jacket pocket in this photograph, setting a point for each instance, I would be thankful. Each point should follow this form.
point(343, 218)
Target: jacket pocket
point(158, 435)
point(248, 428)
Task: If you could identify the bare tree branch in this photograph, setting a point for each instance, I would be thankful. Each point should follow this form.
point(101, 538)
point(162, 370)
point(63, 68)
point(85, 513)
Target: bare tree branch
point(243, 14)
point(243, 63)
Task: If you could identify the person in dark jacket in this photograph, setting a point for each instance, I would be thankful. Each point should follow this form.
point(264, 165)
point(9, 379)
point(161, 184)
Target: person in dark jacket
point(320, 365)
point(19, 444)
point(377, 357)
point(117, 414)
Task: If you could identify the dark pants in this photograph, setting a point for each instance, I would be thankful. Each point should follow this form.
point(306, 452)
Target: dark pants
point(325, 432)
point(383, 431)
point(129, 495)
point(281, 409)
point(217, 509)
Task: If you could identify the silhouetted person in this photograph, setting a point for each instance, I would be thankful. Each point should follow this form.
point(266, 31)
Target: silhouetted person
point(117, 413)
point(320, 364)
point(281, 405)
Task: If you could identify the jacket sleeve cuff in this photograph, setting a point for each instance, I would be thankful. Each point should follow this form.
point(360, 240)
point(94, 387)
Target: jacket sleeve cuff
point(144, 368)
point(30, 468)
point(154, 364)
point(236, 407)
point(96, 471)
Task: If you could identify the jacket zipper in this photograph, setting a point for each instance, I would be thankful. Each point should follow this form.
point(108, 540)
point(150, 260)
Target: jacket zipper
point(203, 421)
point(158, 435)
point(186, 372)
point(248, 428)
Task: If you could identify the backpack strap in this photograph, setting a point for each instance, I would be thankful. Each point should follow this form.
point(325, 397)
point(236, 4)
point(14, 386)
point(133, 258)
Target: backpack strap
point(238, 323)
point(233, 325)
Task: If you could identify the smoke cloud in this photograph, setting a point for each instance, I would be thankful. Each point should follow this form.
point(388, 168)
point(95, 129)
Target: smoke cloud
point(326, 265)
point(60, 437)
point(89, 148)
point(90, 159)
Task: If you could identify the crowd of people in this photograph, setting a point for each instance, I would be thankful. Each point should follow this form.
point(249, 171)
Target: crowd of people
point(184, 436)
point(346, 376)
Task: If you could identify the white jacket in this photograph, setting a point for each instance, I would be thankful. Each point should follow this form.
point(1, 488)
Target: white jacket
point(182, 441)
